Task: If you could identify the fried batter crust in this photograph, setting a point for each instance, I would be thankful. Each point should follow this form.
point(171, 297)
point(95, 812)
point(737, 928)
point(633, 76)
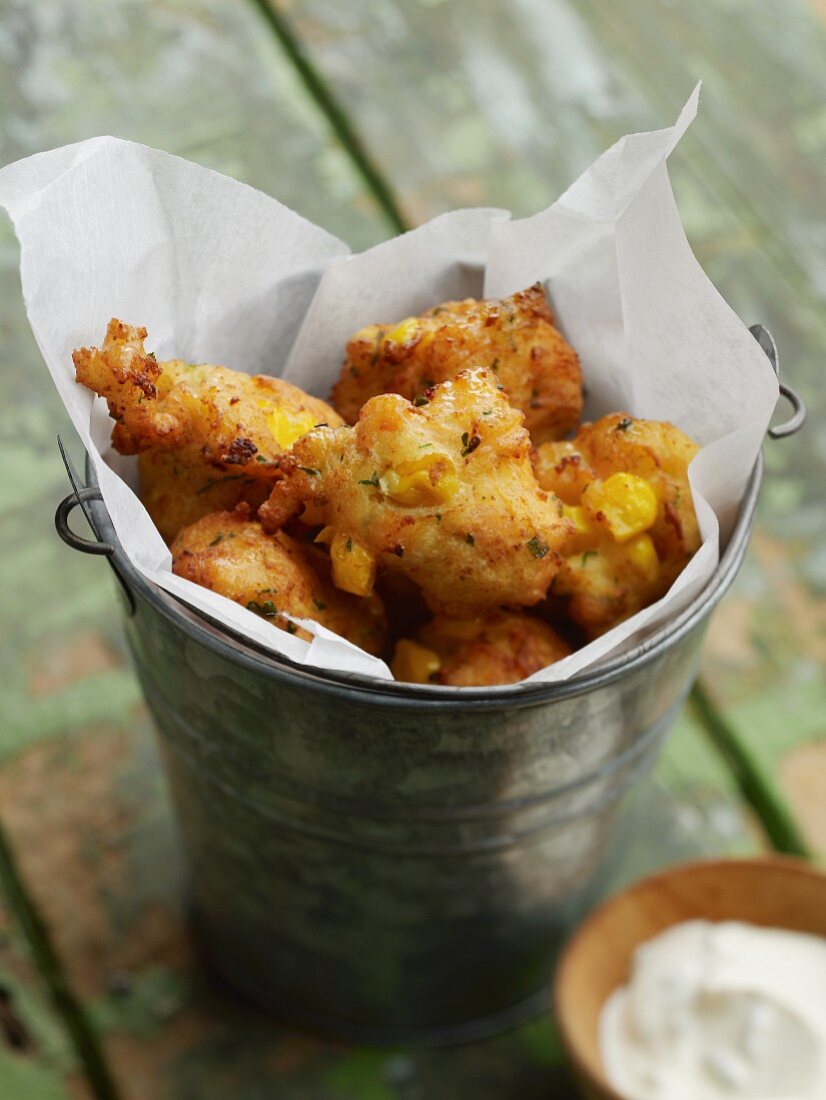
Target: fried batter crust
point(502, 648)
point(443, 492)
point(229, 553)
point(176, 493)
point(600, 582)
point(514, 338)
point(207, 415)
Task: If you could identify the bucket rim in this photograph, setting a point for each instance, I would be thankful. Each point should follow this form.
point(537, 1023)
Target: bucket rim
point(390, 693)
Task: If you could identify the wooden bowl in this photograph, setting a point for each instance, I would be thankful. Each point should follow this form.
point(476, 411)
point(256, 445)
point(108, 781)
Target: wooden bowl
point(776, 892)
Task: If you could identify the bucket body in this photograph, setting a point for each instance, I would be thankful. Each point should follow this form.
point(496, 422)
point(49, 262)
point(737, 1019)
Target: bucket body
point(371, 868)
point(387, 862)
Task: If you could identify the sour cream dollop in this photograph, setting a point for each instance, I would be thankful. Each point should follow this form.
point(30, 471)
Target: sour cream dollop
point(725, 1011)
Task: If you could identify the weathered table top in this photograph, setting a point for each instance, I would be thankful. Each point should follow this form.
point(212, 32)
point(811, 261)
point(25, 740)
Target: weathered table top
point(365, 116)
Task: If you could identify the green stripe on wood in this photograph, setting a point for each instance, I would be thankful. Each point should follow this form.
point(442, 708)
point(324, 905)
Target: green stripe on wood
point(756, 786)
point(336, 115)
point(84, 1037)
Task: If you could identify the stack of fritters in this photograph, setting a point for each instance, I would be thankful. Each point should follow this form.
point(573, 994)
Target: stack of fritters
point(437, 515)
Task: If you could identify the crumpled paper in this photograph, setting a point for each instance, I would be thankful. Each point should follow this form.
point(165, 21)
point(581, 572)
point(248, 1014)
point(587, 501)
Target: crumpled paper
point(221, 273)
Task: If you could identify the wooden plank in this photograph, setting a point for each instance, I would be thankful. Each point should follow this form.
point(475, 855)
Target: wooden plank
point(80, 785)
point(511, 103)
point(198, 78)
point(36, 1059)
point(96, 836)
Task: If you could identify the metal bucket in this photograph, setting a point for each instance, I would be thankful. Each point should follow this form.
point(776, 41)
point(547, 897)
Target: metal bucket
point(382, 861)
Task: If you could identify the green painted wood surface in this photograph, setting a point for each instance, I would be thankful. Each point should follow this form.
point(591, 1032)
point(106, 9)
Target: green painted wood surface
point(36, 1057)
point(459, 105)
point(512, 105)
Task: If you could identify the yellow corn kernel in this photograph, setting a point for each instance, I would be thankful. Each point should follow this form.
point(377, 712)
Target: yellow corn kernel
point(354, 568)
point(404, 332)
point(643, 557)
point(414, 663)
point(584, 534)
point(576, 514)
point(421, 483)
point(624, 503)
point(286, 426)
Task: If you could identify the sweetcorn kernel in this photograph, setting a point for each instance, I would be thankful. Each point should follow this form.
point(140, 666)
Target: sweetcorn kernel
point(576, 514)
point(642, 555)
point(583, 533)
point(354, 568)
point(429, 480)
point(414, 663)
point(624, 503)
point(287, 427)
point(404, 331)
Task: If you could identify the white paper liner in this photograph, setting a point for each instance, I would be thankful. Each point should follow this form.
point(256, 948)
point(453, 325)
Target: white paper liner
point(221, 273)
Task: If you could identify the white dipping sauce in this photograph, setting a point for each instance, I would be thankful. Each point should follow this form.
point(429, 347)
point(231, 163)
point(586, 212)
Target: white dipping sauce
point(720, 1012)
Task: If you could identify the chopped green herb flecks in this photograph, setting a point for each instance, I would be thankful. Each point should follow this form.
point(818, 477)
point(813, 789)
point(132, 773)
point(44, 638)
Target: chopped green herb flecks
point(217, 481)
point(319, 605)
point(624, 424)
point(217, 539)
point(586, 555)
point(372, 480)
point(495, 364)
point(267, 609)
point(310, 471)
point(420, 399)
point(349, 545)
point(537, 547)
point(291, 628)
point(261, 458)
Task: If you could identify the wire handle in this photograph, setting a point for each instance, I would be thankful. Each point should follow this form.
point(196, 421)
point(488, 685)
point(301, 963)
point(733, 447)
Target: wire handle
point(798, 418)
point(81, 495)
point(61, 522)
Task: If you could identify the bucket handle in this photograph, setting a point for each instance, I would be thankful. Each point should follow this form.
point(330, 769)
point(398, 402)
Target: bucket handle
point(61, 522)
point(798, 418)
point(81, 495)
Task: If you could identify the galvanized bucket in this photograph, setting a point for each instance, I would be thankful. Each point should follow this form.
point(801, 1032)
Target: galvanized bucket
point(382, 861)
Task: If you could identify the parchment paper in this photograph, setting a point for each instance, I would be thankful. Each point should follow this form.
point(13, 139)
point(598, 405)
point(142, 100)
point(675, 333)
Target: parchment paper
point(221, 273)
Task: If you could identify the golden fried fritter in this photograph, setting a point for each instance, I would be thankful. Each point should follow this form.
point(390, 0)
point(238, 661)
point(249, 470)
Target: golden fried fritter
point(624, 484)
point(501, 648)
point(206, 415)
point(177, 493)
point(229, 553)
point(515, 338)
point(442, 491)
